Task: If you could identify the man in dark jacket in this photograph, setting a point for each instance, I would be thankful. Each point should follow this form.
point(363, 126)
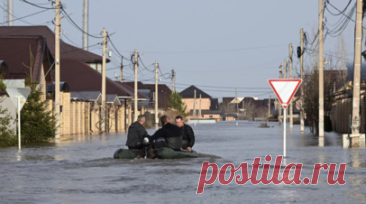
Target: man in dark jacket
point(136, 133)
point(186, 132)
point(170, 133)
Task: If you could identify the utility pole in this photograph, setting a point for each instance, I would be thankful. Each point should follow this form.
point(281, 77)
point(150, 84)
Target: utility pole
point(321, 70)
point(135, 101)
point(5, 14)
point(10, 12)
point(199, 112)
point(285, 77)
point(237, 102)
point(121, 74)
point(302, 129)
point(85, 24)
point(285, 69)
point(57, 67)
point(279, 104)
point(173, 78)
point(290, 77)
point(357, 77)
point(269, 107)
point(156, 95)
point(194, 105)
point(103, 114)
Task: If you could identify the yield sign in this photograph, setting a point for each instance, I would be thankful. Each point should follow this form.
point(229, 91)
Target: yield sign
point(23, 93)
point(285, 89)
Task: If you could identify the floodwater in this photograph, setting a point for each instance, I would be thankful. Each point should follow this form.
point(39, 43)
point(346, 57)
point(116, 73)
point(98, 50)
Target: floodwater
point(83, 171)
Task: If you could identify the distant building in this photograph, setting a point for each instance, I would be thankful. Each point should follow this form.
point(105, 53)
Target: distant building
point(209, 105)
point(149, 91)
point(188, 98)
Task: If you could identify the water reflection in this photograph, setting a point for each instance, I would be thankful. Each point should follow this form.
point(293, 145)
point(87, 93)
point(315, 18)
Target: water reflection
point(321, 141)
point(81, 169)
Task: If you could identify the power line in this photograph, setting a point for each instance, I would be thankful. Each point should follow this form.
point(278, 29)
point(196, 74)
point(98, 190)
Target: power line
point(115, 48)
point(143, 65)
point(340, 12)
point(42, 7)
point(211, 51)
point(221, 87)
point(76, 25)
point(19, 18)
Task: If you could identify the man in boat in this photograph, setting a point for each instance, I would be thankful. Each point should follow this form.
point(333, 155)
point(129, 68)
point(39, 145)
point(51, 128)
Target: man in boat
point(136, 134)
point(171, 133)
point(186, 132)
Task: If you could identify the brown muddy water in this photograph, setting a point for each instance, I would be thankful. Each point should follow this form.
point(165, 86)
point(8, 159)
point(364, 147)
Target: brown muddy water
point(83, 170)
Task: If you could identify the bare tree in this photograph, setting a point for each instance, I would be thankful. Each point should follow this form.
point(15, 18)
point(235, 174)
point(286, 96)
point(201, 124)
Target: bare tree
point(250, 110)
point(227, 108)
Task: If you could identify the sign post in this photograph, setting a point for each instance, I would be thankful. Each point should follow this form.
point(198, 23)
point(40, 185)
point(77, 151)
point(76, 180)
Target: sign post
point(19, 97)
point(19, 139)
point(285, 90)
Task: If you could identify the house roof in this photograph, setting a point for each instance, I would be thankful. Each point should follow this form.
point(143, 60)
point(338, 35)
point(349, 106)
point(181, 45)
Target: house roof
point(237, 100)
point(189, 93)
point(163, 96)
point(67, 51)
point(86, 95)
point(130, 90)
point(214, 104)
point(94, 96)
point(161, 87)
point(111, 98)
point(81, 77)
point(227, 100)
point(145, 92)
point(131, 84)
point(17, 52)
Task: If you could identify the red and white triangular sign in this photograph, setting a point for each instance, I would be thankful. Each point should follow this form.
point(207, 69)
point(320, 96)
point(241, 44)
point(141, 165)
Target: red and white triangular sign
point(284, 89)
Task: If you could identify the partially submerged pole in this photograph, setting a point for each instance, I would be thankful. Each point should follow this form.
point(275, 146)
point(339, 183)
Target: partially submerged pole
point(194, 105)
point(284, 133)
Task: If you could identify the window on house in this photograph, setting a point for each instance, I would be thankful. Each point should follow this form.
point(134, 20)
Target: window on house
point(153, 96)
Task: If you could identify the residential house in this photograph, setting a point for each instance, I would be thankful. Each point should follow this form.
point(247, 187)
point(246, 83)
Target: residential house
point(26, 57)
point(79, 69)
point(188, 98)
point(203, 101)
point(163, 97)
point(208, 114)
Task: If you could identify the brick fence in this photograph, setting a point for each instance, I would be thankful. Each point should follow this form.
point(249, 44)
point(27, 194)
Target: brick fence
point(81, 117)
point(341, 115)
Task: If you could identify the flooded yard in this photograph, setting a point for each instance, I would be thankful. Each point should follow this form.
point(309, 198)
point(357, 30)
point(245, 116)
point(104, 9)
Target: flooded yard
point(82, 170)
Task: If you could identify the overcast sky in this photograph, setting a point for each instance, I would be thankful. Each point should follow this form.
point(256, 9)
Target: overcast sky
point(214, 44)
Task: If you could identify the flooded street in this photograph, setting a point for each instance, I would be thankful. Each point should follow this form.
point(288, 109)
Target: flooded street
point(83, 170)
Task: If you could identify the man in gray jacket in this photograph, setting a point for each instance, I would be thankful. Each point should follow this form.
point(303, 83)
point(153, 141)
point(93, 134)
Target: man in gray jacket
point(136, 133)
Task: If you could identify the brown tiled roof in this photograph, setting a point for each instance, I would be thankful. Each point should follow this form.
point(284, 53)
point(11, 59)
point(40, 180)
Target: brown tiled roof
point(131, 84)
point(16, 52)
point(189, 93)
point(162, 87)
point(130, 90)
point(163, 96)
point(67, 51)
point(81, 77)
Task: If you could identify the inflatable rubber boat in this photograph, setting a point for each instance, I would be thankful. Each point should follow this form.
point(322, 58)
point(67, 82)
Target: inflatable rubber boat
point(162, 153)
